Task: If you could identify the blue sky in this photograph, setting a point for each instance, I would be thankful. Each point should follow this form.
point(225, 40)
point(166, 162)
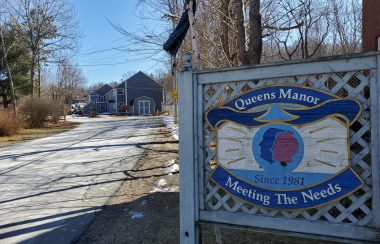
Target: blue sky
point(97, 58)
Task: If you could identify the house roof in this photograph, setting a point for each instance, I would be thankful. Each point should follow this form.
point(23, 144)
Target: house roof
point(121, 85)
point(79, 97)
point(103, 90)
point(137, 78)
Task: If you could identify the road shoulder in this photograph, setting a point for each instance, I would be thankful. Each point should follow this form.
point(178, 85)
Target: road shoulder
point(145, 208)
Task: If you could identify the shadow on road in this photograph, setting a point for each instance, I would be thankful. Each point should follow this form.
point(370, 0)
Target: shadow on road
point(54, 226)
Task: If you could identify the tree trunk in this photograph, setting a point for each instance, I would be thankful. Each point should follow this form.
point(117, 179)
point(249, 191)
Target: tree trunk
point(32, 74)
point(39, 78)
point(240, 31)
point(10, 79)
point(225, 29)
point(12, 89)
point(5, 101)
point(255, 33)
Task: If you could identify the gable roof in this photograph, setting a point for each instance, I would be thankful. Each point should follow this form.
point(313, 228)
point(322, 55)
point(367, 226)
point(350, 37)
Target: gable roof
point(103, 90)
point(139, 78)
point(121, 85)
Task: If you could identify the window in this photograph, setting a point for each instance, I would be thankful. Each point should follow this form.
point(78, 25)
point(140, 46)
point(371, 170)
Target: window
point(93, 97)
point(103, 108)
point(120, 91)
point(101, 99)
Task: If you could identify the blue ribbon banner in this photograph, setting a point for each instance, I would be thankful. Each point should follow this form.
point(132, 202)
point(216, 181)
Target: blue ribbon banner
point(332, 189)
point(311, 106)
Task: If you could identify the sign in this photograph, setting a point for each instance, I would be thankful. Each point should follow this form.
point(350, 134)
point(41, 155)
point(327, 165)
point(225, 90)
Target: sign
point(285, 147)
point(175, 94)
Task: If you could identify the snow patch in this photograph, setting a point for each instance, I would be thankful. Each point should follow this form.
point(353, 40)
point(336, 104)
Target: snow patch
point(166, 189)
point(171, 167)
point(160, 187)
point(169, 123)
point(136, 215)
point(144, 202)
point(174, 168)
point(161, 183)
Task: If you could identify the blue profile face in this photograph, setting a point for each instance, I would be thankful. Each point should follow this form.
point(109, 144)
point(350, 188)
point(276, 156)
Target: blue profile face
point(278, 148)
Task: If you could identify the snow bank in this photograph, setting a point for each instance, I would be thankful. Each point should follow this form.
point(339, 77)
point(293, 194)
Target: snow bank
point(169, 123)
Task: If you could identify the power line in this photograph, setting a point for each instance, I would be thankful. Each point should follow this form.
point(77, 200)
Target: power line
point(105, 44)
point(99, 51)
point(105, 64)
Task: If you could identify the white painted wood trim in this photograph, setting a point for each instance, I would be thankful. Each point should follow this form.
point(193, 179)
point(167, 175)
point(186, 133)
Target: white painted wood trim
point(126, 93)
point(301, 226)
point(200, 137)
point(117, 104)
point(375, 145)
point(287, 69)
point(188, 232)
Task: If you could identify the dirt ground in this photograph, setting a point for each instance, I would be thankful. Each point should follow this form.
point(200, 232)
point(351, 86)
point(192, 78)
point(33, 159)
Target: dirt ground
point(145, 208)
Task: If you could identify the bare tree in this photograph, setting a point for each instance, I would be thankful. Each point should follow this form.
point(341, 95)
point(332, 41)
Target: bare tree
point(69, 79)
point(305, 26)
point(4, 61)
point(13, 56)
point(347, 24)
point(244, 32)
point(49, 29)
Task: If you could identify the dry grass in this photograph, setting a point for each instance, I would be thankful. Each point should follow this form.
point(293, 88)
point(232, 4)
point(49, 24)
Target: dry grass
point(9, 124)
point(30, 134)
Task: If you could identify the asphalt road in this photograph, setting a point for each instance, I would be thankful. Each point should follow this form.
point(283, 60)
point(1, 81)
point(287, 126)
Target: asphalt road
point(51, 188)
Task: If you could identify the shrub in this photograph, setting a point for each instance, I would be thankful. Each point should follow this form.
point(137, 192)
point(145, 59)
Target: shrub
point(93, 114)
point(56, 111)
point(123, 107)
point(36, 111)
point(9, 124)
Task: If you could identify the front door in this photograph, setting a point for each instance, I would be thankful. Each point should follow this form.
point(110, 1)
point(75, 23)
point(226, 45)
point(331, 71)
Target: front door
point(144, 107)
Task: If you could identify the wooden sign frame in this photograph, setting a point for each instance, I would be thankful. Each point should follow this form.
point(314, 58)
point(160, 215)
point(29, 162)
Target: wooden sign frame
point(355, 217)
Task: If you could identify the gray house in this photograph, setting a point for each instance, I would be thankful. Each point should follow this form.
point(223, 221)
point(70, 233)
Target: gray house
point(101, 100)
point(138, 95)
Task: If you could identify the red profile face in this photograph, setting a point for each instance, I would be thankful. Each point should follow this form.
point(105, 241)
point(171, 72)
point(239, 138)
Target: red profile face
point(285, 147)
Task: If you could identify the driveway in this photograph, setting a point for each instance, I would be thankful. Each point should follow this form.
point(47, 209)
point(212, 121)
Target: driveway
point(51, 188)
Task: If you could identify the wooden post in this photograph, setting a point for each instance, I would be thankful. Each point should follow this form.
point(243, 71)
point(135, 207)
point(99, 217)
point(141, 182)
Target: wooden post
point(187, 144)
point(375, 144)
